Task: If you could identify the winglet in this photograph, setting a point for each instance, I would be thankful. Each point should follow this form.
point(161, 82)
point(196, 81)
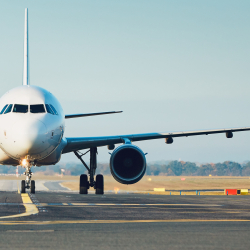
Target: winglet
point(26, 51)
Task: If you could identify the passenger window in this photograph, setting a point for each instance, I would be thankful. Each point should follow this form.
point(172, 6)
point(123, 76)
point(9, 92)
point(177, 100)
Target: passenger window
point(54, 110)
point(8, 110)
point(38, 108)
point(4, 108)
point(19, 108)
point(49, 109)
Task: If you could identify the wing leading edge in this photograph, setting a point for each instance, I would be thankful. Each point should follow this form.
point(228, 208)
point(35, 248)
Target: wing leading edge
point(78, 143)
point(91, 114)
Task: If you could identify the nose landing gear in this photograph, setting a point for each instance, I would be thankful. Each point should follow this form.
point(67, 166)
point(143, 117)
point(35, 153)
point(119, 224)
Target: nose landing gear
point(28, 183)
point(98, 183)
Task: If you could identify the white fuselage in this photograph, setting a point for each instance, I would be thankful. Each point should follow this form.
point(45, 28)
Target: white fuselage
point(30, 134)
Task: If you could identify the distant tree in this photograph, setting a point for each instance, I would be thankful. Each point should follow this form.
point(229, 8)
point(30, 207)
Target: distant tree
point(176, 167)
point(6, 169)
point(219, 169)
point(153, 169)
point(246, 169)
point(233, 168)
point(77, 169)
point(103, 168)
point(205, 170)
point(164, 168)
point(189, 168)
point(170, 168)
point(170, 172)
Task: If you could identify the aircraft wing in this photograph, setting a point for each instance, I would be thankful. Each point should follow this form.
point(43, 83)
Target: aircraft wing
point(78, 143)
point(91, 114)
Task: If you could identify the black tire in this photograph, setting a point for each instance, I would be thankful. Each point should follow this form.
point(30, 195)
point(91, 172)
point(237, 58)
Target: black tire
point(84, 184)
point(99, 184)
point(32, 187)
point(22, 187)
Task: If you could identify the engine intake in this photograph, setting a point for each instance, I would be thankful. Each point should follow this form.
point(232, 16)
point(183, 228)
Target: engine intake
point(128, 164)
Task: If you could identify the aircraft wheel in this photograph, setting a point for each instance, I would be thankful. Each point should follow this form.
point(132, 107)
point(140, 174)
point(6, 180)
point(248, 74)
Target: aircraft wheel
point(84, 184)
point(99, 184)
point(22, 186)
point(32, 187)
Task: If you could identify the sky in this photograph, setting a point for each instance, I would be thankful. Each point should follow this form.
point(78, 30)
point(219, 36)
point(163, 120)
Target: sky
point(168, 65)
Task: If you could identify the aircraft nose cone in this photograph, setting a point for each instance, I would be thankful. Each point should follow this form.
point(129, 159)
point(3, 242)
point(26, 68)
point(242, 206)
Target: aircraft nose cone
point(28, 137)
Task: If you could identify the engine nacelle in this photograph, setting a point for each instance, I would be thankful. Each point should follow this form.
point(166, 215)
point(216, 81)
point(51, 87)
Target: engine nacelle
point(128, 164)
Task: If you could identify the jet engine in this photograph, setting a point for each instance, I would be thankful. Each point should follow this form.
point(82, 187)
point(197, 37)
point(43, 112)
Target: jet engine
point(127, 164)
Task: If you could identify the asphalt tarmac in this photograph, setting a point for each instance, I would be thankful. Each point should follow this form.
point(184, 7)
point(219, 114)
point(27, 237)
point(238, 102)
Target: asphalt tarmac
point(66, 220)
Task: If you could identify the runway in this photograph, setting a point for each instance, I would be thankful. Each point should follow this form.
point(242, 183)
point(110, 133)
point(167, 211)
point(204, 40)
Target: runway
point(66, 219)
point(41, 185)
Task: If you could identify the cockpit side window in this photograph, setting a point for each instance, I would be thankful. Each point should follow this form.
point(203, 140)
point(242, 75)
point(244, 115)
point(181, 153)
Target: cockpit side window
point(54, 110)
point(37, 108)
point(8, 110)
point(4, 108)
point(49, 109)
point(20, 108)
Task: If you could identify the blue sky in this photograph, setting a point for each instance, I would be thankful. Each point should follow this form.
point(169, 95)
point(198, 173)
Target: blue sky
point(169, 65)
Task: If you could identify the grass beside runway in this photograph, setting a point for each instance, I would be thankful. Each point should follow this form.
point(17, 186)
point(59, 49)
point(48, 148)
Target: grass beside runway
point(184, 193)
point(173, 183)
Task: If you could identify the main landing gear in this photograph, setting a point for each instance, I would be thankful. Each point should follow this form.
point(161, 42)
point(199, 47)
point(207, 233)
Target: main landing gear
point(28, 183)
point(85, 184)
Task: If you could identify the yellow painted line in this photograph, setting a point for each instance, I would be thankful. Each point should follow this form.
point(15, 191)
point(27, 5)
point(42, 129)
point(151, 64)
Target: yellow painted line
point(44, 185)
point(18, 191)
point(65, 204)
point(109, 221)
point(61, 184)
point(29, 207)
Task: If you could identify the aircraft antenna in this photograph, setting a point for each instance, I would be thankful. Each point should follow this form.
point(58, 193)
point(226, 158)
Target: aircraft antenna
point(26, 51)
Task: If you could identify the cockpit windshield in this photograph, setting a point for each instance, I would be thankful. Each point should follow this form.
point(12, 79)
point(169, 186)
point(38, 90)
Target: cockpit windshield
point(37, 108)
point(4, 108)
point(20, 108)
point(54, 110)
point(23, 108)
point(51, 109)
point(8, 110)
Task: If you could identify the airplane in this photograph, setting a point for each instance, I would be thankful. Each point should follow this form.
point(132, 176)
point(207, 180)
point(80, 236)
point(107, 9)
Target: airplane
point(32, 125)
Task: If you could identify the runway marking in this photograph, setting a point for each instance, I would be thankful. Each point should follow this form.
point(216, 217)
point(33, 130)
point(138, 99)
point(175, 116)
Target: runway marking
point(29, 207)
point(110, 221)
point(38, 204)
point(207, 212)
point(44, 185)
point(18, 190)
point(112, 204)
point(31, 231)
point(61, 184)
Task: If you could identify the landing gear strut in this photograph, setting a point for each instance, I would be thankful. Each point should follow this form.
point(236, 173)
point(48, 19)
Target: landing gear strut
point(85, 184)
point(28, 183)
